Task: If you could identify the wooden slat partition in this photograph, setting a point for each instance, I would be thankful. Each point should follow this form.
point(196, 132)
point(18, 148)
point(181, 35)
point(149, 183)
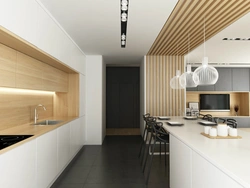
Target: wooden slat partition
point(186, 23)
point(161, 100)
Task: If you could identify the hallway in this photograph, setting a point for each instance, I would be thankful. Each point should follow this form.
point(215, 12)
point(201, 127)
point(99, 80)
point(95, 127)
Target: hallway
point(115, 164)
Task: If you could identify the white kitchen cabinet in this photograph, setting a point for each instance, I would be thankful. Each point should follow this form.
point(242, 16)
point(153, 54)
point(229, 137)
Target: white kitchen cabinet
point(18, 166)
point(46, 159)
point(47, 33)
point(77, 60)
point(63, 147)
point(180, 164)
point(20, 17)
point(82, 136)
point(82, 101)
point(206, 175)
point(76, 133)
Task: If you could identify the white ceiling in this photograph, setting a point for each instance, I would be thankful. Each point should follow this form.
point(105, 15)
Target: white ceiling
point(95, 26)
point(221, 51)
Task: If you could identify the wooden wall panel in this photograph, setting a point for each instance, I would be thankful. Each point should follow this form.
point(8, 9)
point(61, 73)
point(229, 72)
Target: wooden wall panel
point(17, 70)
point(29, 72)
point(67, 104)
point(7, 66)
point(17, 108)
point(161, 100)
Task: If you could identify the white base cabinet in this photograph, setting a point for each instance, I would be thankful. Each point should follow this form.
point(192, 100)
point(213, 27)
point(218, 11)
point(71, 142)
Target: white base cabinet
point(180, 164)
point(76, 134)
point(63, 147)
point(37, 163)
point(188, 169)
point(46, 159)
point(18, 166)
point(206, 175)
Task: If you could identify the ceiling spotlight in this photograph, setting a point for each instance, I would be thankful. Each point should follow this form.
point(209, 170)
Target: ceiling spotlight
point(124, 17)
point(124, 7)
point(124, 20)
point(124, 2)
point(123, 36)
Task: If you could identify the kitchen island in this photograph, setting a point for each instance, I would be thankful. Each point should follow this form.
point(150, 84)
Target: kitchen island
point(200, 162)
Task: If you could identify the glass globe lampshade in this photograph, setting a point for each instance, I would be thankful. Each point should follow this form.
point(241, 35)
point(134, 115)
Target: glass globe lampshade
point(187, 78)
point(207, 74)
point(175, 81)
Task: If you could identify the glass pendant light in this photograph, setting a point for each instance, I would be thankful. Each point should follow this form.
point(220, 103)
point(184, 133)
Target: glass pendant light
point(207, 74)
point(175, 81)
point(188, 77)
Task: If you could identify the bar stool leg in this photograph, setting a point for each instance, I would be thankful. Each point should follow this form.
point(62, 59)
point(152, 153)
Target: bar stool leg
point(150, 165)
point(149, 145)
point(144, 147)
point(143, 140)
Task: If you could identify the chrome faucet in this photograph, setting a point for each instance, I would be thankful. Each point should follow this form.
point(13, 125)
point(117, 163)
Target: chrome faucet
point(36, 114)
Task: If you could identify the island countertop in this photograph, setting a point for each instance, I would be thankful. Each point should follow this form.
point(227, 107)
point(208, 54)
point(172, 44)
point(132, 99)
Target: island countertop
point(231, 156)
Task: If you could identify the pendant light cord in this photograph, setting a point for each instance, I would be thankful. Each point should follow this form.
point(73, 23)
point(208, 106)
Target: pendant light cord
point(204, 31)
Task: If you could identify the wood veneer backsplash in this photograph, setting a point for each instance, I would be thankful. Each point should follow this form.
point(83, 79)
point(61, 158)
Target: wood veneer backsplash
point(17, 70)
point(17, 108)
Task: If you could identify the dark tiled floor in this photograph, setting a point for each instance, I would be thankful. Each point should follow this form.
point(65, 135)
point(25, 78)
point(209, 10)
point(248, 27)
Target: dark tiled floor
point(115, 164)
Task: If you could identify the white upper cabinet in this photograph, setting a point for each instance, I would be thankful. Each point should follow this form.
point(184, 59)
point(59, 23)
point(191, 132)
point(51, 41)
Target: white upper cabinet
point(20, 17)
point(47, 33)
point(29, 20)
point(77, 60)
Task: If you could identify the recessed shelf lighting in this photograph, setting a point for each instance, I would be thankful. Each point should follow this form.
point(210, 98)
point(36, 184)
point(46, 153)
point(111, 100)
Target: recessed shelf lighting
point(15, 90)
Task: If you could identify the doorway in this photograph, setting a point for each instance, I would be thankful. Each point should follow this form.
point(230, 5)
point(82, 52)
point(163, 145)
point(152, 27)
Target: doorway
point(123, 100)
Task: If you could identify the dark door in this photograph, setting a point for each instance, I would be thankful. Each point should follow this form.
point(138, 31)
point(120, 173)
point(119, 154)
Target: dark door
point(122, 97)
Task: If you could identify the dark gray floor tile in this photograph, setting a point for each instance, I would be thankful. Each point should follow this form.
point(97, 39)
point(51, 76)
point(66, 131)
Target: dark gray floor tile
point(115, 164)
point(68, 186)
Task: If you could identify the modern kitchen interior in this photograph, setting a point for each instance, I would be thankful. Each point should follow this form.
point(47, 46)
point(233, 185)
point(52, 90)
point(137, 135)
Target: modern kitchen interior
point(172, 76)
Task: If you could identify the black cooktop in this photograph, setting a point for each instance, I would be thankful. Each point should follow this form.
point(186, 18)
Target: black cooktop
point(8, 140)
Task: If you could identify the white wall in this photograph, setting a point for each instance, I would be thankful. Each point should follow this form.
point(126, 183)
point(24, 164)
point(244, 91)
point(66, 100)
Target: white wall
point(94, 99)
point(142, 92)
point(103, 100)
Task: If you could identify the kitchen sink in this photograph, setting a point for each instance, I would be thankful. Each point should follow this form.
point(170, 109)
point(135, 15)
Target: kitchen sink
point(48, 122)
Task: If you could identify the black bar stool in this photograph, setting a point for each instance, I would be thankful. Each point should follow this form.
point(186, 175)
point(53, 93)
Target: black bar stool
point(158, 135)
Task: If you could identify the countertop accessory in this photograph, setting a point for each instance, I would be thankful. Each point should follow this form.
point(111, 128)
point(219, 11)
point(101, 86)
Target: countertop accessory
point(209, 123)
point(175, 123)
point(233, 132)
point(163, 118)
point(190, 117)
point(221, 137)
point(207, 129)
point(222, 129)
point(213, 132)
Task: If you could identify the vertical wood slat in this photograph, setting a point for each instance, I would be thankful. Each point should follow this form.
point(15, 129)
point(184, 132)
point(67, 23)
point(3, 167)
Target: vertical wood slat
point(161, 100)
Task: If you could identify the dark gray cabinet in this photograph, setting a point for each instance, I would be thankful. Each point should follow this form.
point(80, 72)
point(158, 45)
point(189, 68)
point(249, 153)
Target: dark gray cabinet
point(230, 79)
point(206, 88)
point(240, 79)
point(224, 82)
